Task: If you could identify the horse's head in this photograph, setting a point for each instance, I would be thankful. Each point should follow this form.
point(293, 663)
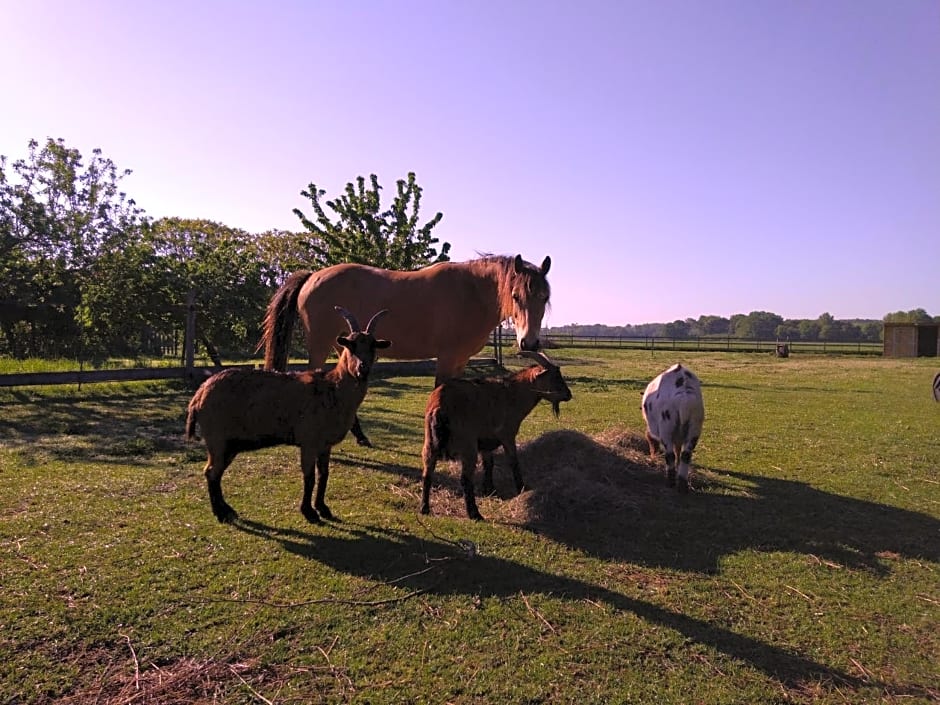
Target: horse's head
point(530, 294)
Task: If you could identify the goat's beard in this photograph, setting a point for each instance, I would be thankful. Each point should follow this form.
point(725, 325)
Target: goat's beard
point(556, 408)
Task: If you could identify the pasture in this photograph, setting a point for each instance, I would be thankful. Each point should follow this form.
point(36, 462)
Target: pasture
point(803, 568)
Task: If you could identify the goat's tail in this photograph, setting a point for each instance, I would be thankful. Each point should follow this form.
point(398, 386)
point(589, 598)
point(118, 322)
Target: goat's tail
point(439, 432)
point(279, 321)
point(191, 423)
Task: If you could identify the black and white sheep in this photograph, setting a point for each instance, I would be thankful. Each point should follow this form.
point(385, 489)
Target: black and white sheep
point(674, 412)
point(466, 417)
point(245, 409)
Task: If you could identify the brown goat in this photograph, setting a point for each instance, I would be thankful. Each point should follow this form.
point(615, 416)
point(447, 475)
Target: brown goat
point(243, 409)
point(466, 417)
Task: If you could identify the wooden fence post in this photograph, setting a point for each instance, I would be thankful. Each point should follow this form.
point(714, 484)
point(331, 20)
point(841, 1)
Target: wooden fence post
point(189, 342)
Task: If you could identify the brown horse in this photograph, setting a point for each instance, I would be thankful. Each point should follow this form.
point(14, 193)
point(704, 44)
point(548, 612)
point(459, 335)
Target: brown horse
point(446, 311)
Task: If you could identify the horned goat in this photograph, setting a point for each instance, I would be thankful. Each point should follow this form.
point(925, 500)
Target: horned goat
point(465, 417)
point(244, 409)
point(674, 411)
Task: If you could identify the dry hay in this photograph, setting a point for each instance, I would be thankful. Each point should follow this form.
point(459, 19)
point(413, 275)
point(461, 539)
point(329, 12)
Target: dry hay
point(191, 681)
point(568, 475)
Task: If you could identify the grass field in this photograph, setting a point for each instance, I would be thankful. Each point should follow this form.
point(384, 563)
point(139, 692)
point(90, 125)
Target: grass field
point(804, 567)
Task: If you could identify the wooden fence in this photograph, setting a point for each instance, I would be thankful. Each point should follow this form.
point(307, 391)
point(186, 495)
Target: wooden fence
point(492, 355)
point(712, 344)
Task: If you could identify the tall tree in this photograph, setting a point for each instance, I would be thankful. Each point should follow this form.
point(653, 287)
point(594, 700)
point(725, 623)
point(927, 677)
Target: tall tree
point(59, 214)
point(366, 234)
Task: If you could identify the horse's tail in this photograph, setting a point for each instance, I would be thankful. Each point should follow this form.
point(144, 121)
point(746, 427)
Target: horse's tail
point(279, 321)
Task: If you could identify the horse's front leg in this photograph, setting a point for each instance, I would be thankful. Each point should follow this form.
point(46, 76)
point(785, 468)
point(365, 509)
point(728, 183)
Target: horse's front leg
point(449, 368)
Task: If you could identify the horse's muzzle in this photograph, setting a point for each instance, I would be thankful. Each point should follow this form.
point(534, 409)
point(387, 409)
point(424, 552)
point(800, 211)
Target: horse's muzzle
point(532, 346)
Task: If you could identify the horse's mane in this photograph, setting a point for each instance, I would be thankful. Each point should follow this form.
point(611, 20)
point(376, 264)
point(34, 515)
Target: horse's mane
point(502, 269)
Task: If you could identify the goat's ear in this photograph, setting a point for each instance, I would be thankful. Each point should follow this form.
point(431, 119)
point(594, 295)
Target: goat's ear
point(345, 342)
point(382, 344)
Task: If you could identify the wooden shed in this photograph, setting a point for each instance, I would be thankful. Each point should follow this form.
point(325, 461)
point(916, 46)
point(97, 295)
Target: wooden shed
point(912, 339)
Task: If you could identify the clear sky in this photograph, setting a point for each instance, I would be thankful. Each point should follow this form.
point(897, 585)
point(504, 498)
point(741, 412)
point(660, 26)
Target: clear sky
point(674, 157)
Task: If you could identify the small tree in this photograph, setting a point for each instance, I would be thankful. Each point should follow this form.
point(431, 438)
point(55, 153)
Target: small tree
point(365, 234)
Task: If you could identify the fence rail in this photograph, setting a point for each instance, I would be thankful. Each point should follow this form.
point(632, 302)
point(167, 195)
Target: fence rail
point(196, 373)
point(712, 344)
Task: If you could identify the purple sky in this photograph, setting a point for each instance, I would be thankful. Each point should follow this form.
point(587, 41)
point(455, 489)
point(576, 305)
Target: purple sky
point(675, 158)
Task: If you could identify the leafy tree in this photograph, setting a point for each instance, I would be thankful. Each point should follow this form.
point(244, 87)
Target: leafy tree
point(676, 329)
point(284, 252)
point(713, 325)
point(757, 325)
point(872, 331)
point(365, 234)
point(58, 216)
point(917, 315)
point(125, 298)
point(222, 266)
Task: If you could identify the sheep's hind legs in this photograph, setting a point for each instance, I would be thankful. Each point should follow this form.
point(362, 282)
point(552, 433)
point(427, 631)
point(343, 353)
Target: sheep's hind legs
point(685, 457)
point(670, 467)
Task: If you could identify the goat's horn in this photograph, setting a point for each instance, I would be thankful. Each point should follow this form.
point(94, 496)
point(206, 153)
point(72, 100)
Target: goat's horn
point(372, 321)
point(539, 357)
point(350, 319)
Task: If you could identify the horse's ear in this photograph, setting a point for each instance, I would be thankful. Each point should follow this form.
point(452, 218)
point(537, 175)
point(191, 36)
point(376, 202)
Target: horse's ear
point(546, 265)
point(518, 265)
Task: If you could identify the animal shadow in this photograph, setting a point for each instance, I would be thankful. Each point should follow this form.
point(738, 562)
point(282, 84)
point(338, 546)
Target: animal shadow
point(610, 500)
point(436, 566)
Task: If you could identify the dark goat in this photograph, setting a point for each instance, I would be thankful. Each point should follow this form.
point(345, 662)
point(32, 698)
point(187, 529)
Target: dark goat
point(466, 417)
point(242, 409)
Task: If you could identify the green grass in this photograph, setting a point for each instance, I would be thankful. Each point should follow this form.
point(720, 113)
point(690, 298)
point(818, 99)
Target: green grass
point(804, 568)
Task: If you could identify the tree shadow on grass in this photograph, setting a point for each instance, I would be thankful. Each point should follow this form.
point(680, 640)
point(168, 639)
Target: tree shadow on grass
point(610, 500)
point(436, 567)
point(116, 424)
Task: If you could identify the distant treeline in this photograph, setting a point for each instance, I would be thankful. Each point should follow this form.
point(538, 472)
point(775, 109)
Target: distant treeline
point(758, 325)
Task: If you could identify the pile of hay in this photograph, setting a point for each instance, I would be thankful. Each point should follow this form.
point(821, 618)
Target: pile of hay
point(568, 475)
